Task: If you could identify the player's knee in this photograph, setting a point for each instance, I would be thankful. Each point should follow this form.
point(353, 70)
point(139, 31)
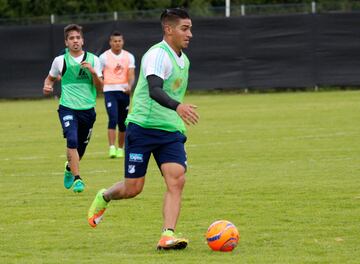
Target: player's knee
point(133, 189)
point(81, 149)
point(72, 141)
point(131, 193)
point(181, 182)
point(122, 126)
point(176, 184)
point(112, 124)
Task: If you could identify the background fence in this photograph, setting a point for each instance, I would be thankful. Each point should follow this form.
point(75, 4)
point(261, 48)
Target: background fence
point(260, 52)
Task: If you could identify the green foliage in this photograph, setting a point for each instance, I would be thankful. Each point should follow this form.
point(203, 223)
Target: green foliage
point(152, 4)
point(31, 8)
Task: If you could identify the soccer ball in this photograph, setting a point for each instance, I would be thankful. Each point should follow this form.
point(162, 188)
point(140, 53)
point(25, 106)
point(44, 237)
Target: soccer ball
point(222, 235)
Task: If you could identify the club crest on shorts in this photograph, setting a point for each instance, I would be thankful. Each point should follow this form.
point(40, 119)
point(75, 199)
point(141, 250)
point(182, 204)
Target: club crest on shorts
point(131, 169)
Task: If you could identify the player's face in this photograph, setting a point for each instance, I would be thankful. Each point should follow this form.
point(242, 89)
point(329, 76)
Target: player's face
point(74, 41)
point(182, 33)
point(116, 43)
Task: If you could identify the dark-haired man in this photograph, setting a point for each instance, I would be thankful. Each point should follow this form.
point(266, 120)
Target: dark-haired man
point(80, 76)
point(119, 75)
point(155, 125)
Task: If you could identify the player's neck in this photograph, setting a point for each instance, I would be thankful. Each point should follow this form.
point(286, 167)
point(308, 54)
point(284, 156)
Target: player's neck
point(76, 53)
point(174, 47)
point(116, 52)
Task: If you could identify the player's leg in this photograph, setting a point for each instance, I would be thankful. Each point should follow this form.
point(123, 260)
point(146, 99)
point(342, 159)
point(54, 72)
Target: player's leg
point(85, 127)
point(123, 109)
point(112, 112)
point(73, 160)
point(128, 188)
point(174, 176)
point(121, 139)
point(137, 157)
point(86, 120)
point(171, 159)
point(69, 123)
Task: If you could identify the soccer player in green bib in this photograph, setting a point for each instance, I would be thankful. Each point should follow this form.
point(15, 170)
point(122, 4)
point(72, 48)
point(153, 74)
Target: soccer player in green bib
point(155, 126)
point(80, 74)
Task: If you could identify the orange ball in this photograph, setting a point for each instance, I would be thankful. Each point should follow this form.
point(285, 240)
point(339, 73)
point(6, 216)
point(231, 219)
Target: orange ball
point(222, 235)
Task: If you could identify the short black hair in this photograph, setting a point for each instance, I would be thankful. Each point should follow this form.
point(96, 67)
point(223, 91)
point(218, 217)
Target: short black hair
point(116, 34)
point(72, 27)
point(173, 14)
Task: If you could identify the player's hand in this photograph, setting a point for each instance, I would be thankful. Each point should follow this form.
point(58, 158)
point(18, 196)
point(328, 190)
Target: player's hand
point(188, 113)
point(127, 90)
point(88, 66)
point(47, 89)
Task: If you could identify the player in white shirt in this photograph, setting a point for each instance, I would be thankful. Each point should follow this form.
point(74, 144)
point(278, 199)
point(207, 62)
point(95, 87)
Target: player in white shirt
point(80, 76)
point(156, 127)
point(118, 66)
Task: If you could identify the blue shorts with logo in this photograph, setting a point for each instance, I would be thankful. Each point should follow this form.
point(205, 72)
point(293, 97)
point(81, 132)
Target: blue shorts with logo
point(77, 127)
point(141, 142)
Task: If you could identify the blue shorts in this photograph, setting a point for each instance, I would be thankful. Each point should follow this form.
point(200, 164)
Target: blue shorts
point(141, 142)
point(117, 107)
point(77, 126)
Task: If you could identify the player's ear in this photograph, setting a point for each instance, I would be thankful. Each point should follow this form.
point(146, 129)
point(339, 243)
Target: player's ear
point(167, 28)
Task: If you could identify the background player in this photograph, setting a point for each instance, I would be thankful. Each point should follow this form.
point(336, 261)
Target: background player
point(118, 66)
point(80, 78)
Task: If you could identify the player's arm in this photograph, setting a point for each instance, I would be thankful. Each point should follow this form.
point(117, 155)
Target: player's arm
point(131, 78)
point(54, 75)
point(102, 61)
point(98, 82)
point(131, 74)
point(157, 93)
point(185, 111)
point(48, 85)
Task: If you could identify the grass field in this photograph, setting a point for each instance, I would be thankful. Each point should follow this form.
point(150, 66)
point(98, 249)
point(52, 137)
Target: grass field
point(284, 168)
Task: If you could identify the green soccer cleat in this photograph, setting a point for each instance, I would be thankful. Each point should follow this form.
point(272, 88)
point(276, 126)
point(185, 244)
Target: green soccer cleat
point(169, 241)
point(68, 178)
point(120, 153)
point(78, 186)
point(112, 152)
point(97, 209)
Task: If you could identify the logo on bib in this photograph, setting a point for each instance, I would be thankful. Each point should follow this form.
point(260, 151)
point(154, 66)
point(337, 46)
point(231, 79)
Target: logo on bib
point(177, 83)
point(83, 75)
